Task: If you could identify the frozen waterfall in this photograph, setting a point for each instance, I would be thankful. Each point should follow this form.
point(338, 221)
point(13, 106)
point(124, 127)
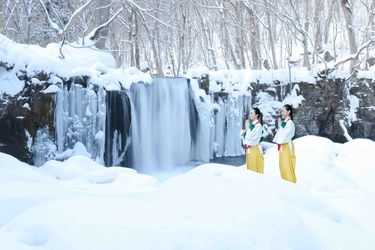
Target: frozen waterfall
point(80, 117)
point(161, 130)
point(150, 127)
point(228, 124)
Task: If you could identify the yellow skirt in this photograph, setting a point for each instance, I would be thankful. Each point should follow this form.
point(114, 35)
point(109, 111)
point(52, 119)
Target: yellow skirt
point(287, 163)
point(255, 160)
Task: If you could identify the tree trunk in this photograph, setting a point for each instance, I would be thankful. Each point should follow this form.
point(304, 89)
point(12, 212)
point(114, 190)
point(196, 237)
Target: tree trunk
point(306, 61)
point(317, 26)
point(204, 36)
point(254, 40)
point(227, 41)
point(346, 8)
point(183, 32)
point(239, 45)
point(328, 22)
point(156, 42)
point(372, 18)
point(131, 37)
point(137, 53)
point(210, 57)
point(271, 37)
point(102, 16)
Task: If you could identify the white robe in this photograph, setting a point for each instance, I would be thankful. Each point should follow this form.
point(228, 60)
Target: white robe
point(285, 134)
point(252, 137)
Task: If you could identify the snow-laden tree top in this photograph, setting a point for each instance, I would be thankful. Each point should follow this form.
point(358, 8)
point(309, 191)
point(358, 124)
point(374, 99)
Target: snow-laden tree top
point(171, 37)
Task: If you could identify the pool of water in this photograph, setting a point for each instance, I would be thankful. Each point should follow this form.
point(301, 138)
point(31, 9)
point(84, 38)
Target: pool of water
point(233, 161)
point(164, 175)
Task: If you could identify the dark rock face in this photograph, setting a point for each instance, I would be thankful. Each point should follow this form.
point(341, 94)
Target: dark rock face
point(322, 109)
point(364, 127)
point(331, 102)
point(28, 129)
point(118, 121)
point(326, 103)
point(13, 139)
point(204, 83)
point(20, 118)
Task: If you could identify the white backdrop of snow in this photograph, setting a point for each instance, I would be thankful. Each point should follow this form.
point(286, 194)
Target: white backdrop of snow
point(79, 204)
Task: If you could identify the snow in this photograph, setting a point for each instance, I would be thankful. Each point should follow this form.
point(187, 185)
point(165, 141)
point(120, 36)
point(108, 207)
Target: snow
point(294, 99)
point(6, 78)
point(79, 204)
point(79, 61)
point(354, 105)
point(76, 203)
point(78, 149)
point(197, 72)
point(367, 74)
point(51, 89)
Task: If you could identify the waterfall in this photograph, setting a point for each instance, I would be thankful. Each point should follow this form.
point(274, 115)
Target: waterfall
point(233, 109)
point(201, 146)
point(161, 127)
point(220, 124)
point(149, 127)
point(59, 119)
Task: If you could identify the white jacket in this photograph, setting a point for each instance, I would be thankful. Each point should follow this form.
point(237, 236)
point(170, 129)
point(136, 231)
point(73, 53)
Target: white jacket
point(252, 137)
point(286, 134)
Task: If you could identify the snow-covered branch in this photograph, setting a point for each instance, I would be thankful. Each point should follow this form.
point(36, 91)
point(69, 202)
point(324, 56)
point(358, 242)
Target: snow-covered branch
point(354, 56)
point(94, 33)
point(346, 134)
point(52, 23)
point(79, 10)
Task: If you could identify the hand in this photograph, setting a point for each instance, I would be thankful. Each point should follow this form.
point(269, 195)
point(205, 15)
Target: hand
point(247, 124)
point(243, 132)
point(279, 122)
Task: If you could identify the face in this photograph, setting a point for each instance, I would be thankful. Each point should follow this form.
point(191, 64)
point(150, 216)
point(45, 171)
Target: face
point(253, 116)
point(284, 113)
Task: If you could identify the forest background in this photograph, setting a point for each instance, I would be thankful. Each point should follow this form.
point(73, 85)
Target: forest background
point(168, 37)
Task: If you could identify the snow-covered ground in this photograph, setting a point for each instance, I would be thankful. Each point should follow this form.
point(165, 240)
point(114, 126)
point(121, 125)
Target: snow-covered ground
point(78, 204)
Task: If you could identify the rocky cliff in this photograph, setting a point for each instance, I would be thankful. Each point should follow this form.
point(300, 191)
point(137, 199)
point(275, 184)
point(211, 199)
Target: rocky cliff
point(326, 103)
point(327, 107)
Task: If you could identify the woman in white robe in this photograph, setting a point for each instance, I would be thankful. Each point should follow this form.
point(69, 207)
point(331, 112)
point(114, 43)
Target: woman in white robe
point(251, 138)
point(284, 139)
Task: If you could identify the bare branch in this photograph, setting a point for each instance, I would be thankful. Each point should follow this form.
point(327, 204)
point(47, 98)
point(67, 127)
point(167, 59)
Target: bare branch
point(61, 45)
point(354, 56)
point(52, 23)
point(79, 10)
point(7, 22)
point(94, 33)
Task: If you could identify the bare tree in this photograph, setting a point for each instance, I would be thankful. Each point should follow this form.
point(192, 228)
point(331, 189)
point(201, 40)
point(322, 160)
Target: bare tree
point(229, 37)
point(152, 29)
point(270, 29)
point(207, 33)
point(318, 13)
point(346, 8)
point(59, 26)
point(254, 40)
point(156, 34)
point(306, 61)
point(62, 27)
point(239, 32)
point(102, 16)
